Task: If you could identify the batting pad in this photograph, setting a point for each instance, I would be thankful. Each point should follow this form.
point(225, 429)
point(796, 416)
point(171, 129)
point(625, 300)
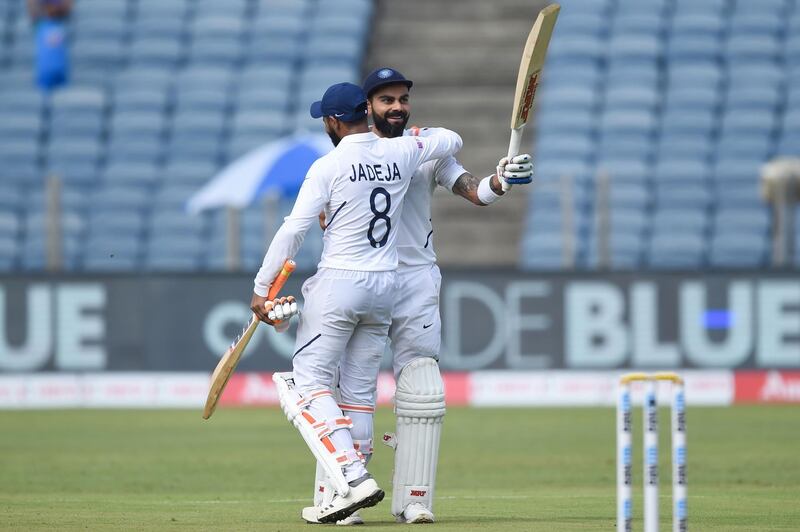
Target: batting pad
point(316, 432)
point(420, 409)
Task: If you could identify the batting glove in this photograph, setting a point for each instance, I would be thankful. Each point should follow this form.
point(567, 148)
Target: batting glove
point(282, 309)
point(518, 171)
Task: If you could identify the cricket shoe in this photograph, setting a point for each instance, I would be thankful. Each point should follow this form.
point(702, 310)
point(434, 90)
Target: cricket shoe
point(309, 514)
point(415, 513)
point(364, 492)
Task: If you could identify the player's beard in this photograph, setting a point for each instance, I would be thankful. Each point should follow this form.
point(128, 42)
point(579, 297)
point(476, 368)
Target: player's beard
point(388, 129)
point(336, 139)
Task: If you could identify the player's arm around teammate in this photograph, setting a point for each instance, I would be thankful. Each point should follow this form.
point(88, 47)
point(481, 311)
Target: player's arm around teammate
point(347, 307)
point(416, 325)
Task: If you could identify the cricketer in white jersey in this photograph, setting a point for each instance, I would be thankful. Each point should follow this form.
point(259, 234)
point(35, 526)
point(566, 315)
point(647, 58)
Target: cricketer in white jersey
point(360, 184)
point(415, 332)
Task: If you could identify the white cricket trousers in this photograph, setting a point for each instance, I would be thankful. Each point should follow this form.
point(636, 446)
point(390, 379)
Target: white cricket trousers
point(345, 322)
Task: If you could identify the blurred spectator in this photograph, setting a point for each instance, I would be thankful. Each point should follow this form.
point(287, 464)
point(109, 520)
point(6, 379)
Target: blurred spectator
point(52, 62)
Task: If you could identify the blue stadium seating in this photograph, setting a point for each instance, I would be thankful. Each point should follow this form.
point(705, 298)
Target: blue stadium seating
point(679, 103)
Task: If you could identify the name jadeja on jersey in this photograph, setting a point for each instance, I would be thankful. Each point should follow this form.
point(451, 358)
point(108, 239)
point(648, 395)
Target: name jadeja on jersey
point(375, 172)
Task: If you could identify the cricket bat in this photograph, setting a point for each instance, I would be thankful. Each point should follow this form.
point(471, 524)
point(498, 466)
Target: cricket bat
point(227, 364)
point(530, 68)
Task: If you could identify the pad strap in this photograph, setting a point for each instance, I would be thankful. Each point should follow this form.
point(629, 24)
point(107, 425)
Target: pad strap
point(316, 433)
point(357, 408)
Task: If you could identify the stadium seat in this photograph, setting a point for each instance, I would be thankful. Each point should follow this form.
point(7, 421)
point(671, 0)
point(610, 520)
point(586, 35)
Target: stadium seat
point(176, 9)
point(672, 250)
point(631, 48)
point(686, 24)
point(753, 48)
point(617, 146)
point(624, 169)
point(680, 219)
point(25, 102)
point(684, 194)
point(753, 98)
point(627, 196)
point(683, 170)
point(140, 123)
point(576, 49)
point(211, 8)
point(755, 22)
point(136, 174)
point(279, 26)
point(704, 74)
point(701, 6)
point(628, 73)
point(123, 149)
point(112, 196)
point(106, 221)
point(737, 169)
point(738, 220)
point(776, 7)
point(215, 51)
point(543, 251)
point(186, 173)
point(627, 23)
point(137, 77)
point(748, 122)
point(625, 253)
point(112, 254)
point(567, 146)
point(20, 126)
point(176, 223)
point(202, 98)
point(738, 251)
point(640, 122)
point(758, 73)
point(694, 48)
point(155, 52)
point(738, 194)
point(632, 98)
point(568, 121)
point(681, 146)
point(701, 122)
point(750, 146)
point(158, 25)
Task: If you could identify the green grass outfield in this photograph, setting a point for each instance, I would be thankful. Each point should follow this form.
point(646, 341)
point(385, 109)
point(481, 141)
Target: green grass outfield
point(500, 469)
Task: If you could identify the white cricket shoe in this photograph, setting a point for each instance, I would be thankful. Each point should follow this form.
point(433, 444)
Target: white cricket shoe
point(354, 519)
point(310, 513)
point(364, 492)
point(415, 513)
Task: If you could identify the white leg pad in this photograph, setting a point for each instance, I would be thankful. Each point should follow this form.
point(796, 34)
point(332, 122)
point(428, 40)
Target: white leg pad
point(316, 432)
point(420, 409)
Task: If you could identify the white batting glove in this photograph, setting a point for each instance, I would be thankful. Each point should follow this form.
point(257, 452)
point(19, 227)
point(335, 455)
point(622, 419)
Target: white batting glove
point(282, 309)
point(517, 171)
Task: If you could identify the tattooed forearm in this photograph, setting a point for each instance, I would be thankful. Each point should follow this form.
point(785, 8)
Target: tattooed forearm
point(466, 186)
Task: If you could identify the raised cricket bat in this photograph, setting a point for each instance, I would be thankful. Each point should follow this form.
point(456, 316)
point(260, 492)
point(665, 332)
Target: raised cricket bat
point(530, 67)
point(227, 364)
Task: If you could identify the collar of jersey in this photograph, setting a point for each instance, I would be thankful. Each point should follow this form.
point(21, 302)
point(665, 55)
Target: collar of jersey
point(359, 137)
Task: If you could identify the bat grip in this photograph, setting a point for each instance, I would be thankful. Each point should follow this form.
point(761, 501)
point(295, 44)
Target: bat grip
point(513, 150)
point(277, 284)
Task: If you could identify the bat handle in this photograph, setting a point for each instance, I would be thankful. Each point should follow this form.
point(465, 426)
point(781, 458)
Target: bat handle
point(513, 150)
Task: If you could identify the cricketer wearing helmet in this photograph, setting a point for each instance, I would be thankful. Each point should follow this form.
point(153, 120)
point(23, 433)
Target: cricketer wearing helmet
point(415, 330)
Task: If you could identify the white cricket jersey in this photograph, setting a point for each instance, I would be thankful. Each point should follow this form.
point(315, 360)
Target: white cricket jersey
point(360, 185)
point(415, 234)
